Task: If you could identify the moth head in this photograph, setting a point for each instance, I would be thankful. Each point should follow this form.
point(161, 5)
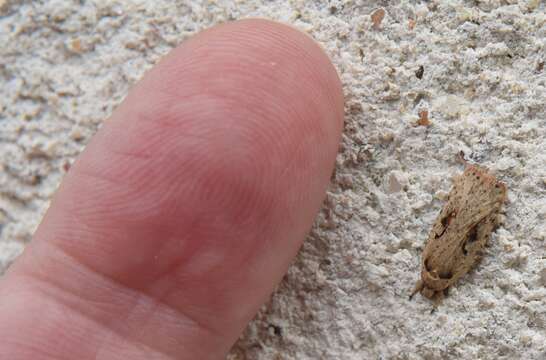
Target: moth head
point(434, 280)
point(428, 292)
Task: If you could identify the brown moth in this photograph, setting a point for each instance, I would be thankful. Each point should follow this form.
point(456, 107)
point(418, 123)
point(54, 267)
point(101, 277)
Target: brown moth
point(460, 232)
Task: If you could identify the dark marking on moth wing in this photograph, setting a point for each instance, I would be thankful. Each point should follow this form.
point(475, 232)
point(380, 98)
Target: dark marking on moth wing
point(471, 237)
point(445, 223)
point(472, 234)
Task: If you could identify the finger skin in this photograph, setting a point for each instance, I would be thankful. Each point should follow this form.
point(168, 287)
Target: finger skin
point(185, 209)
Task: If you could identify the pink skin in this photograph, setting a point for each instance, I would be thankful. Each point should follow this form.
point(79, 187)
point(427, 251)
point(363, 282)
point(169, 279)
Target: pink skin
point(186, 208)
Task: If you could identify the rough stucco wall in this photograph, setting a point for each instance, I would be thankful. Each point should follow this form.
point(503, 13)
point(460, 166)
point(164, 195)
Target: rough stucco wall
point(64, 66)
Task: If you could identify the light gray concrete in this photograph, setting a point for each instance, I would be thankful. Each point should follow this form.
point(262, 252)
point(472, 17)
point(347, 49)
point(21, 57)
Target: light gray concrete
point(65, 66)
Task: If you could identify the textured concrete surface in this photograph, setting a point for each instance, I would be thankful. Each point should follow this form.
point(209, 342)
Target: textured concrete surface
point(476, 68)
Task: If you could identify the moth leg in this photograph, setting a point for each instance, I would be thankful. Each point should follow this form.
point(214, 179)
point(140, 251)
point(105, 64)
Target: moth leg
point(437, 300)
point(418, 287)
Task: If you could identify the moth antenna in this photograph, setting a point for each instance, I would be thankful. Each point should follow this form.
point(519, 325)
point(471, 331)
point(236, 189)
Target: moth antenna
point(418, 288)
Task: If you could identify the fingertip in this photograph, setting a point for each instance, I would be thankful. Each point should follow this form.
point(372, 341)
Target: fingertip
point(199, 190)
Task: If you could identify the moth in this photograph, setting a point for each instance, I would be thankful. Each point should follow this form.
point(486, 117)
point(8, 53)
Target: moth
point(460, 231)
